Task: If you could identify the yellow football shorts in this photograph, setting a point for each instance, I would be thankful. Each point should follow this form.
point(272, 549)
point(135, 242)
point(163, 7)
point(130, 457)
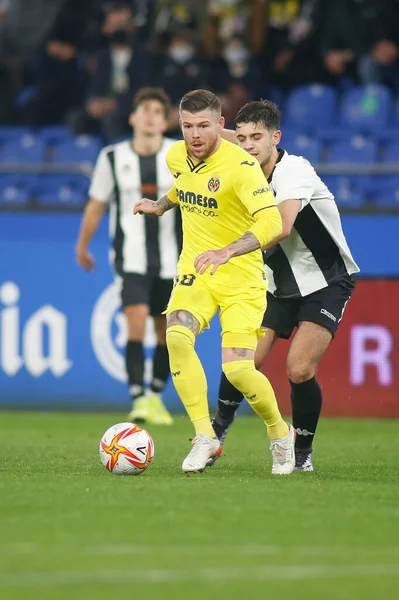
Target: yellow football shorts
point(241, 309)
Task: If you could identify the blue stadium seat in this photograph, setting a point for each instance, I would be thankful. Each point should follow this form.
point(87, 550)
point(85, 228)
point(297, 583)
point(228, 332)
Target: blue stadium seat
point(379, 185)
point(9, 133)
point(387, 199)
point(366, 108)
point(328, 135)
point(310, 107)
point(385, 136)
point(63, 196)
point(391, 153)
point(350, 198)
point(53, 135)
point(13, 196)
point(50, 182)
point(306, 146)
point(82, 149)
point(356, 150)
point(27, 149)
point(346, 194)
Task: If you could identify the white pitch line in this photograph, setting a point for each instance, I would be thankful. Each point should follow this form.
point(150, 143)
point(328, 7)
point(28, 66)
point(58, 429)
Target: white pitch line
point(208, 574)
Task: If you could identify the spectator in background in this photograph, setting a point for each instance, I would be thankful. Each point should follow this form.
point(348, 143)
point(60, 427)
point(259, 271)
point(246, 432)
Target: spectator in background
point(122, 67)
point(361, 41)
point(181, 70)
point(227, 18)
point(59, 81)
point(243, 74)
point(291, 55)
point(171, 15)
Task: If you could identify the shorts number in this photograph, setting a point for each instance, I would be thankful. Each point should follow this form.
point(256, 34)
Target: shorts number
point(185, 280)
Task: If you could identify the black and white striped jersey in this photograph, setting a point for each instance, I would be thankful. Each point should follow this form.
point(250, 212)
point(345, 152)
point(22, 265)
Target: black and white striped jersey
point(140, 243)
point(316, 253)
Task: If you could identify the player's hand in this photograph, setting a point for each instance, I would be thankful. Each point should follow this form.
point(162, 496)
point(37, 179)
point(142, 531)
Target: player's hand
point(211, 257)
point(85, 260)
point(145, 207)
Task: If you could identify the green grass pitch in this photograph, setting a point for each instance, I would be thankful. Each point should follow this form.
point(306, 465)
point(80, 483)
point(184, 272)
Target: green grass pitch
point(71, 530)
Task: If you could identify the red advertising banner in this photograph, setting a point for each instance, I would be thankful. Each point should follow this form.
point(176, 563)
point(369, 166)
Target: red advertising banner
point(359, 372)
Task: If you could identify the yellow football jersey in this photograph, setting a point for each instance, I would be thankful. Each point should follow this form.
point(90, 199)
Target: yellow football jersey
point(218, 197)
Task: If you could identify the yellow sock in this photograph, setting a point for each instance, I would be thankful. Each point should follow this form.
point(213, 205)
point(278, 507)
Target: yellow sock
point(189, 377)
point(259, 393)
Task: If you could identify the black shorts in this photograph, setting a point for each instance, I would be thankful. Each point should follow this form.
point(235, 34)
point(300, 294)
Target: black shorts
point(324, 307)
point(146, 289)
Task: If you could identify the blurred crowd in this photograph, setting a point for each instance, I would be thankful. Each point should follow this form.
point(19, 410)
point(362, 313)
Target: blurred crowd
point(79, 62)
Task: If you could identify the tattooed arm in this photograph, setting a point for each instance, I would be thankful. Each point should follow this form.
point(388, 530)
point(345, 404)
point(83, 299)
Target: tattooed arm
point(245, 244)
point(149, 207)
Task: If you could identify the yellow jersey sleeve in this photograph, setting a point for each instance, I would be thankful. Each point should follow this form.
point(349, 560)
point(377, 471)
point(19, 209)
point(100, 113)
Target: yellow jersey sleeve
point(251, 187)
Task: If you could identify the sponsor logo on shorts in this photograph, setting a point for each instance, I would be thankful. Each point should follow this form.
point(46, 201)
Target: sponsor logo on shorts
point(328, 314)
point(214, 184)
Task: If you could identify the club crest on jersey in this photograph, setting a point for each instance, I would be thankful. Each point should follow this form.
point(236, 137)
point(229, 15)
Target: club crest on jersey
point(214, 184)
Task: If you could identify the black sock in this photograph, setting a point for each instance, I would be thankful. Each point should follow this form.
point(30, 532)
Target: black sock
point(229, 399)
point(135, 368)
point(306, 401)
point(160, 368)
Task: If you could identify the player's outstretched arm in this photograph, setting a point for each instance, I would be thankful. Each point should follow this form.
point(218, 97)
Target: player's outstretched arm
point(92, 216)
point(245, 244)
point(267, 227)
point(151, 207)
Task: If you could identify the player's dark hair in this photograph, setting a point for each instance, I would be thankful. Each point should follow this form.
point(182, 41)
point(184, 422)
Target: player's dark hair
point(152, 93)
point(259, 112)
point(199, 100)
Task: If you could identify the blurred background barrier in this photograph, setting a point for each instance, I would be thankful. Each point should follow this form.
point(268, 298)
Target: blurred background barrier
point(62, 334)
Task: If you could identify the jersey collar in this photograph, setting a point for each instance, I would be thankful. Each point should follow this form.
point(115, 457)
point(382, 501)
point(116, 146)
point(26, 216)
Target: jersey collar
point(281, 153)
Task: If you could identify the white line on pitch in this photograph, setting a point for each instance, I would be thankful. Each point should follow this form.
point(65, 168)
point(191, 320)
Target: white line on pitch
point(211, 574)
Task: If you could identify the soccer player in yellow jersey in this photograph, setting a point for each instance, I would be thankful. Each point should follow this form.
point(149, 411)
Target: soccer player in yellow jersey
point(228, 214)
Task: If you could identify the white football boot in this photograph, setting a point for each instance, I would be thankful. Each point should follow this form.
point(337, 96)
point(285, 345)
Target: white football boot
point(203, 448)
point(283, 453)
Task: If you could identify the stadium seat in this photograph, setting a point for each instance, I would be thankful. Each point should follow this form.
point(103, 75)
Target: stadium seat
point(349, 198)
point(387, 199)
point(49, 182)
point(391, 153)
point(379, 185)
point(310, 107)
point(26, 149)
point(356, 150)
point(53, 135)
point(385, 136)
point(13, 196)
point(366, 108)
point(328, 135)
point(10, 133)
point(63, 196)
point(81, 149)
point(305, 146)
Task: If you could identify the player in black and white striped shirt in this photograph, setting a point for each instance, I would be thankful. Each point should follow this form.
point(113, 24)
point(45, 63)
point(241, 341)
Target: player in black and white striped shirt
point(310, 273)
point(144, 250)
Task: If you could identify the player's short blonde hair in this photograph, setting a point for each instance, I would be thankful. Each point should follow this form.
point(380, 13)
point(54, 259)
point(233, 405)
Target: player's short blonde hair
point(199, 100)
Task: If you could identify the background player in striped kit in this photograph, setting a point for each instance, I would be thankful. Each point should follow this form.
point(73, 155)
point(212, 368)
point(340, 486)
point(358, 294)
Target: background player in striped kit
point(309, 271)
point(144, 250)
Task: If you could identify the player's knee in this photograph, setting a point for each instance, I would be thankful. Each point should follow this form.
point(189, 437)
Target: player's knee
point(179, 340)
point(239, 372)
point(300, 372)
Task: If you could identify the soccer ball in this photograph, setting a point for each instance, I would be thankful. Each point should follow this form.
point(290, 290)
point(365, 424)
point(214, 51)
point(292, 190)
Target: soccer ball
point(126, 449)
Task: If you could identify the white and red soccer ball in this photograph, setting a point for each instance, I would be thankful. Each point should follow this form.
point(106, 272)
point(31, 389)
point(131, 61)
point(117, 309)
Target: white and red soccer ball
point(126, 449)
